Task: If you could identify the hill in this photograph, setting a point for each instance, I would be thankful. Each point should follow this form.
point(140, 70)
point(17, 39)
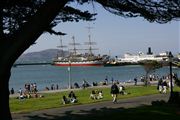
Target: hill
point(41, 56)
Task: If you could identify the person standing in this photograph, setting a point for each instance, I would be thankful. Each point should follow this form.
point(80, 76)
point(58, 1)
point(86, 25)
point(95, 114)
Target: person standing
point(169, 85)
point(112, 80)
point(12, 91)
point(135, 81)
point(106, 80)
point(164, 84)
point(57, 86)
point(159, 86)
point(114, 92)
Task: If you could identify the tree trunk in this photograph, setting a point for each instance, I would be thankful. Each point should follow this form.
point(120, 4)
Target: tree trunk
point(5, 68)
point(4, 88)
point(146, 79)
point(10, 49)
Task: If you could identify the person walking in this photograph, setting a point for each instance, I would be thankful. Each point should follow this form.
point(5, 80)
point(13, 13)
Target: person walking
point(164, 84)
point(114, 92)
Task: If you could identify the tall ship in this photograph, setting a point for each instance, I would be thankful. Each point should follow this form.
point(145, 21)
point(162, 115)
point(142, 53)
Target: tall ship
point(74, 58)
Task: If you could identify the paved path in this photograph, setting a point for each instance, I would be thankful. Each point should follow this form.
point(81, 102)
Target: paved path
point(65, 112)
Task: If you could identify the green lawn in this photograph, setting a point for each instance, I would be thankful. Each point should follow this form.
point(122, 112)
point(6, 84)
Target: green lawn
point(53, 100)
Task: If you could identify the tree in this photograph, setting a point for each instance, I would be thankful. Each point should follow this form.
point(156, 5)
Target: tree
point(150, 66)
point(23, 21)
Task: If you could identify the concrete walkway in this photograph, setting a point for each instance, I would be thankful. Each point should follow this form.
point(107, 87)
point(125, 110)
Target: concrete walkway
point(67, 112)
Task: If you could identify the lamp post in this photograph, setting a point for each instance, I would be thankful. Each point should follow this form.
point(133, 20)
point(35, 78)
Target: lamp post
point(170, 56)
point(69, 70)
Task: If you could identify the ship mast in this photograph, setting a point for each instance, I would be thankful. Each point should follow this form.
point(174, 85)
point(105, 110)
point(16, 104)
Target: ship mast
point(74, 44)
point(61, 47)
point(90, 43)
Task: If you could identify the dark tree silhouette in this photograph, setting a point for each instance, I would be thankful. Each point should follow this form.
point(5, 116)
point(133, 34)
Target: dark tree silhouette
point(161, 11)
point(23, 21)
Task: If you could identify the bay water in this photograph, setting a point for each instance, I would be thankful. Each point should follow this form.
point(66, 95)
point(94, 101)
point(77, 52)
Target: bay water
point(46, 75)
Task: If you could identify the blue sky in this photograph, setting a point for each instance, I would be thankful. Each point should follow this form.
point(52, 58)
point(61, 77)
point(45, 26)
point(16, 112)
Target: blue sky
point(116, 35)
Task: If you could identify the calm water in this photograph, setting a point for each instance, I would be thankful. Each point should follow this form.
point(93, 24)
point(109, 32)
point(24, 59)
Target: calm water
point(46, 75)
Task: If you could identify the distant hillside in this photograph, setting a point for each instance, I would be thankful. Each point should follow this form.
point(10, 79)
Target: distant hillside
point(41, 56)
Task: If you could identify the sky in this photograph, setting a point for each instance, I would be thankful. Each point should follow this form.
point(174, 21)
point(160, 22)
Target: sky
point(115, 35)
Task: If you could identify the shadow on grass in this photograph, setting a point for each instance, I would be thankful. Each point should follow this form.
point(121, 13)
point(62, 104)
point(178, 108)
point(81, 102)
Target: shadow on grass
point(159, 110)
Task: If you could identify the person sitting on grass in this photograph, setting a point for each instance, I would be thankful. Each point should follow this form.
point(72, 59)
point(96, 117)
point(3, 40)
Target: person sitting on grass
point(93, 95)
point(100, 95)
point(122, 90)
point(72, 97)
point(76, 85)
point(65, 100)
point(85, 84)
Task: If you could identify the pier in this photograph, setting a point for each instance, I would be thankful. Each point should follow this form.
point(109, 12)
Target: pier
point(23, 64)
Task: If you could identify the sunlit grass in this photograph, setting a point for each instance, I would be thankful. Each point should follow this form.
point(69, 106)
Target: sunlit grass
point(53, 100)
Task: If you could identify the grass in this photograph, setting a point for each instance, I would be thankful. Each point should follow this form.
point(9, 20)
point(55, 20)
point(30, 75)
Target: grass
point(53, 100)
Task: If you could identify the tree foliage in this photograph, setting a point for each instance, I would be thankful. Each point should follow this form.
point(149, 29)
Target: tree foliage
point(150, 66)
point(17, 12)
point(161, 11)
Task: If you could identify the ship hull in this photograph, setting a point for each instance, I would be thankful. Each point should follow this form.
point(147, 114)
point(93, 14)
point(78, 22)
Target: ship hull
point(78, 64)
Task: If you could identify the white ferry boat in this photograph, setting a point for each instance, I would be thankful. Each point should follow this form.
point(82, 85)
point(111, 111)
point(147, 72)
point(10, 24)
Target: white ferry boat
point(135, 58)
point(178, 56)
